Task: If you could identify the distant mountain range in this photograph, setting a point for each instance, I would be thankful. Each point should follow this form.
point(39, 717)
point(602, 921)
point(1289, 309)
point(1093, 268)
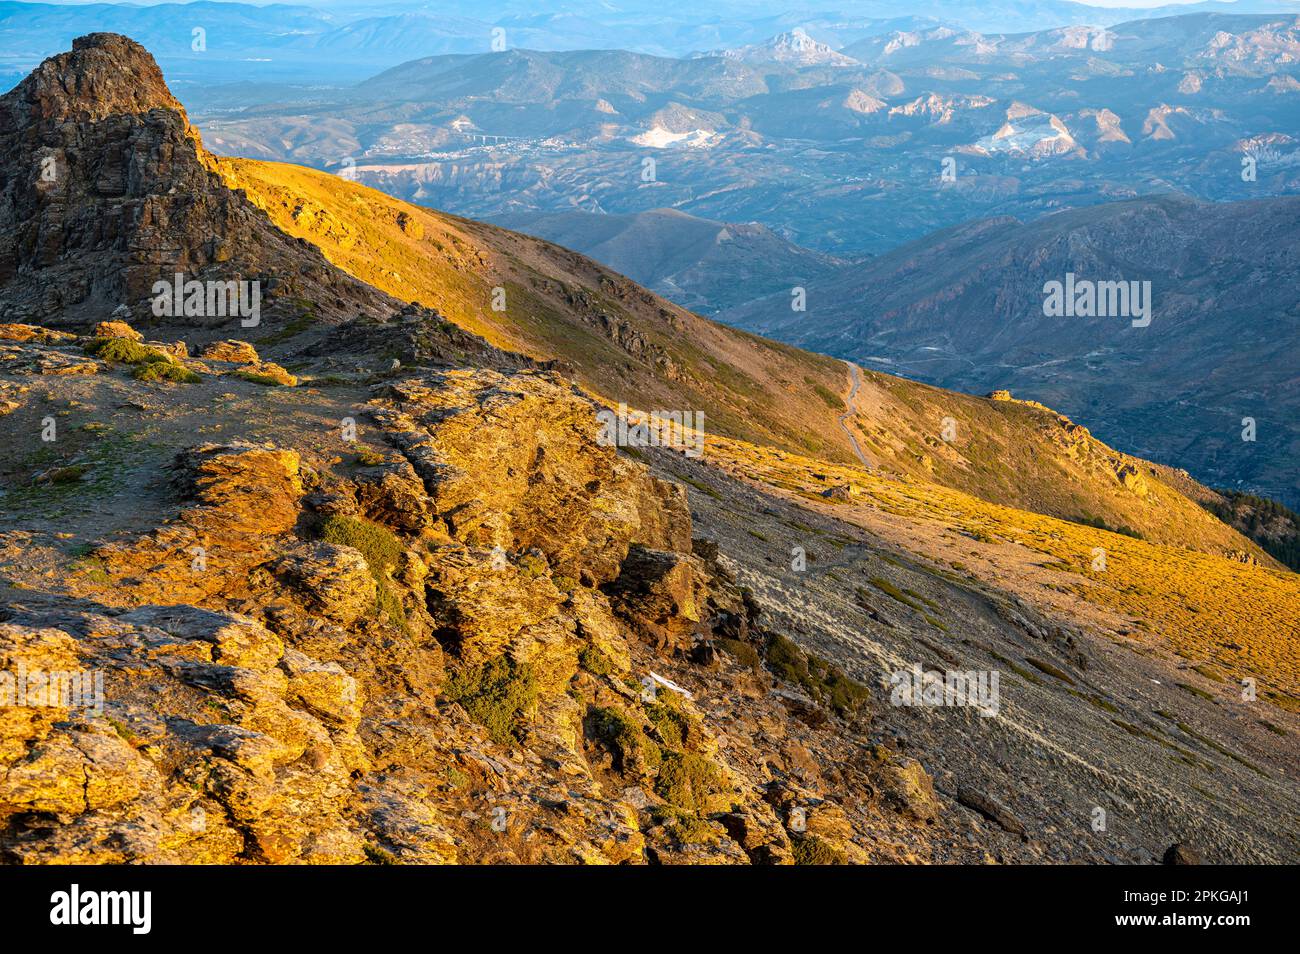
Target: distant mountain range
point(1214, 40)
point(938, 127)
point(795, 47)
point(329, 43)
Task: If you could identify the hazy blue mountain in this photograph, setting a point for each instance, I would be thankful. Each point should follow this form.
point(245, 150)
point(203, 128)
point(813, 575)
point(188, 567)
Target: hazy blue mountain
point(939, 127)
point(344, 42)
point(704, 265)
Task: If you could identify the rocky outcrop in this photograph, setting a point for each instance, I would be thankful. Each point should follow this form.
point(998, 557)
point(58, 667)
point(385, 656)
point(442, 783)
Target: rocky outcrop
point(551, 488)
point(111, 191)
point(239, 498)
point(239, 352)
point(665, 593)
point(1132, 480)
point(116, 329)
point(213, 746)
point(462, 648)
point(38, 333)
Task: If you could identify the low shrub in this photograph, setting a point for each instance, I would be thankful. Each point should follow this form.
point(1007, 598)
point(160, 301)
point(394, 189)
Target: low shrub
point(165, 371)
point(500, 695)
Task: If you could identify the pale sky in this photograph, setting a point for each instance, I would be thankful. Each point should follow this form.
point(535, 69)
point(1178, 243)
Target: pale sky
point(1137, 3)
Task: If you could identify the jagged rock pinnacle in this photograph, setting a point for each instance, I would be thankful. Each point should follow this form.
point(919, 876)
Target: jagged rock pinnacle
point(105, 74)
point(109, 191)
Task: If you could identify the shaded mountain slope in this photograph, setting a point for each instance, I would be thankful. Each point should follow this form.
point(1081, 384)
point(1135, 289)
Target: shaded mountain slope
point(703, 265)
point(964, 309)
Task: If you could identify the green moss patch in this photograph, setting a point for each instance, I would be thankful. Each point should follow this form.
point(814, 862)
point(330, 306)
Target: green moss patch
point(594, 661)
point(671, 725)
point(381, 549)
point(500, 695)
point(826, 683)
point(124, 351)
point(165, 371)
point(263, 379)
point(686, 781)
point(742, 652)
point(633, 750)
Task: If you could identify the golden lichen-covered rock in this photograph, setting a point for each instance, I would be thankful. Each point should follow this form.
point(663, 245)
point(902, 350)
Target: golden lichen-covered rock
point(29, 649)
point(237, 352)
point(410, 657)
point(177, 350)
point(267, 372)
point(324, 689)
point(206, 750)
point(1132, 479)
point(20, 332)
point(38, 359)
point(235, 640)
point(906, 783)
point(392, 493)
point(117, 329)
point(244, 487)
point(334, 581)
point(487, 600)
point(513, 462)
point(240, 497)
point(663, 592)
point(11, 397)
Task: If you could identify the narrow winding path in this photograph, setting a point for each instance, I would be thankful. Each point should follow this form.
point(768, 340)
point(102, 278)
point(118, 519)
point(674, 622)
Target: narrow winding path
point(856, 380)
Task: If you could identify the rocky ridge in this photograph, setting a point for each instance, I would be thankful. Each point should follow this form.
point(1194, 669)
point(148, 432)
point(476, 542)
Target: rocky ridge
point(408, 661)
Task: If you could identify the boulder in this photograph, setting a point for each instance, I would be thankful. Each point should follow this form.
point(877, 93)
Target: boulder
point(392, 494)
point(18, 332)
point(990, 808)
point(907, 786)
point(271, 372)
point(1132, 479)
point(237, 640)
point(663, 594)
point(236, 352)
point(243, 487)
point(117, 329)
point(1180, 854)
point(332, 580)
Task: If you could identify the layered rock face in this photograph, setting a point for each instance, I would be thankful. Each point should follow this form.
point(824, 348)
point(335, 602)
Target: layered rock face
point(107, 190)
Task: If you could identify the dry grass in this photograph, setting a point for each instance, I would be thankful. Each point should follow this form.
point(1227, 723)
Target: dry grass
point(1242, 620)
point(624, 343)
